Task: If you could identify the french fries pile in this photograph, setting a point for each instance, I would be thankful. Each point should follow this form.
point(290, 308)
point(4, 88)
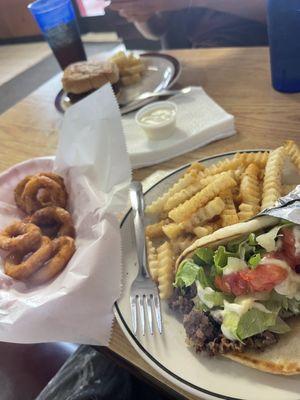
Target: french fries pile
point(205, 199)
point(130, 67)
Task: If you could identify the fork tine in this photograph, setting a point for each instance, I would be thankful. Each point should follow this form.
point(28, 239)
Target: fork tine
point(142, 315)
point(156, 302)
point(133, 313)
point(149, 312)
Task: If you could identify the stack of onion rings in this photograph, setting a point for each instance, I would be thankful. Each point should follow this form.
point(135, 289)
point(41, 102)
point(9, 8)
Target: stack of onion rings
point(40, 246)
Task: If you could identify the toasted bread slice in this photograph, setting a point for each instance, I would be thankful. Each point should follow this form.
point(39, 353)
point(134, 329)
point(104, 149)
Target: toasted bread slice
point(85, 76)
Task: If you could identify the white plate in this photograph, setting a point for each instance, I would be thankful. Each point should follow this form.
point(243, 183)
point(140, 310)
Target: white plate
point(208, 378)
point(162, 71)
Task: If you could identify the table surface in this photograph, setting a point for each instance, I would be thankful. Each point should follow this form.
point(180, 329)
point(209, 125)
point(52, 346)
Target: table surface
point(236, 78)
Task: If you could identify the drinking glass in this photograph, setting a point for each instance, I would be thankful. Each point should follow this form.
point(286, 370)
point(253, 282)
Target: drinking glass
point(284, 38)
point(57, 21)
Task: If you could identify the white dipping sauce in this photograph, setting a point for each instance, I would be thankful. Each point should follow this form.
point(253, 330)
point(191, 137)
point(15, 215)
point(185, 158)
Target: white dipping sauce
point(157, 116)
point(158, 120)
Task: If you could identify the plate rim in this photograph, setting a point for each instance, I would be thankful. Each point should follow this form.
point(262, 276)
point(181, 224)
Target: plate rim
point(142, 351)
point(177, 72)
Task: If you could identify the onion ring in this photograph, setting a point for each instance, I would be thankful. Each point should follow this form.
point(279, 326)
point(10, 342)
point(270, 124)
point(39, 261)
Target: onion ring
point(19, 191)
point(53, 221)
point(20, 236)
point(44, 197)
point(19, 266)
point(29, 197)
point(47, 230)
point(55, 177)
point(64, 248)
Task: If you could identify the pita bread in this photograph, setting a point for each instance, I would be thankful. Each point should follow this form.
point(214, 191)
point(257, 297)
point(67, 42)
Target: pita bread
point(283, 358)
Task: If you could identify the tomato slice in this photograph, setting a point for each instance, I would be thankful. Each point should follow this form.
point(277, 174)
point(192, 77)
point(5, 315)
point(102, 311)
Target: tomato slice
point(261, 279)
point(232, 284)
point(288, 248)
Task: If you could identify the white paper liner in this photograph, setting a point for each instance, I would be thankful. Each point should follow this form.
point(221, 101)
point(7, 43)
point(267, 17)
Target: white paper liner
point(76, 306)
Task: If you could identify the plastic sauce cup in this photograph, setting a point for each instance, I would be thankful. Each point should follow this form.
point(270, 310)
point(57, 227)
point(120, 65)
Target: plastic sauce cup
point(158, 120)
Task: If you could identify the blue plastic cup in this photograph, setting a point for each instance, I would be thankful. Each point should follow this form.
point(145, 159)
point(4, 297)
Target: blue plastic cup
point(57, 21)
point(284, 38)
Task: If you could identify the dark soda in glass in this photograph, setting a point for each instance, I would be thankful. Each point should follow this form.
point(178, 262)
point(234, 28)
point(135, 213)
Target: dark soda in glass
point(57, 21)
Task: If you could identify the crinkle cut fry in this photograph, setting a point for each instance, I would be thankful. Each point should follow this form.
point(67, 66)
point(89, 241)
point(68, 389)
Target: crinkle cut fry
point(181, 243)
point(183, 211)
point(155, 230)
point(228, 215)
point(250, 193)
point(224, 165)
point(292, 150)
point(157, 205)
point(152, 259)
point(272, 179)
point(258, 158)
point(166, 263)
point(247, 211)
point(172, 230)
point(186, 193)
point(207, 229)
point(196, 166)
point(212, 209)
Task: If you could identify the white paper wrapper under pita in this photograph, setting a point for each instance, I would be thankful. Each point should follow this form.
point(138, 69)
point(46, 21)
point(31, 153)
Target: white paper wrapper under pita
point(77, 305)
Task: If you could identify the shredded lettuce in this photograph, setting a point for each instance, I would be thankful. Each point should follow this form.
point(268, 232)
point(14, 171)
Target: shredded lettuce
point(252, 322)
point(280, 327)
point(204, 256)
point(268, 240)
point(230, 324)
point(252, 239)
point(221, 257)
point(246, 317)
point(246, 250)
point(293, 306)
point(283, 303)
point(199, 305)
point(188, 272)
point(255, 321)
point(234, 265)
point(217, 298)
point(254, 260)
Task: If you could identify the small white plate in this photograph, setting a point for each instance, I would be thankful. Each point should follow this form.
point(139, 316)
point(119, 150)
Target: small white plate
point(208, 378)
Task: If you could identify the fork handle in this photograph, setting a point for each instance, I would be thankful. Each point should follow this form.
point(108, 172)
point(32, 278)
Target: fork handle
point(138, 206)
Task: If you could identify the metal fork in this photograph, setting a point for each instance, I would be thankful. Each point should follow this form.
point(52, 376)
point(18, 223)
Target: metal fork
point(144, 298)
point(162, 93)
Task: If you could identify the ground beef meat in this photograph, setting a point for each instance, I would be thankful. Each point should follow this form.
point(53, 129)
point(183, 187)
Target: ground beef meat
point(183, 303)
point(261, 341)
point(205, 334)
point(222, 345)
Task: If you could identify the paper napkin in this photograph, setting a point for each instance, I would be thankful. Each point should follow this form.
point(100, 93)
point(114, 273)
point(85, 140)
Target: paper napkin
point(200, 120)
